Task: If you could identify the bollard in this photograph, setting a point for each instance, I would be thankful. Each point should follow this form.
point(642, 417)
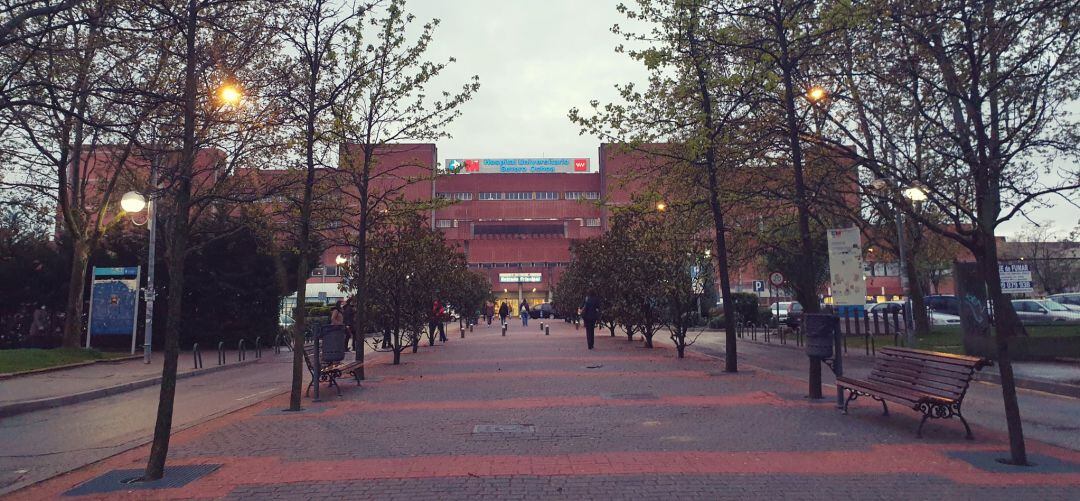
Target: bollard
point(196, 355)
point(277, 345)
point(470, 327)
point(317, 373)
point(504, 330)
point(547, 330)
point(221, 353)
point(241, 355)
point(258, 349)
point(541, 325)
point(462, 333)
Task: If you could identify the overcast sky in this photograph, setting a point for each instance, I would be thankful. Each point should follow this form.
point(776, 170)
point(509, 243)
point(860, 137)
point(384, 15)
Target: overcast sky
point(537, 59)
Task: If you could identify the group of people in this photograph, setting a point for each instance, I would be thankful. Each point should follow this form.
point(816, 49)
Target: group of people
point(489, 311)
point(342, 314)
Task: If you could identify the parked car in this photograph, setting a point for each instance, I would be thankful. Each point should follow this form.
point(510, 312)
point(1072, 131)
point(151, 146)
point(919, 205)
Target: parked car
point(943, 303)
point(1044, 311)
point(544, 310)
point(1070, 300)
point(787, 311)
point(937, 318)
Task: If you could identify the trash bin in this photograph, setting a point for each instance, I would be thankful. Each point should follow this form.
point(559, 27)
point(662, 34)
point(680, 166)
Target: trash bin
point(818, 329)
point(333, 338)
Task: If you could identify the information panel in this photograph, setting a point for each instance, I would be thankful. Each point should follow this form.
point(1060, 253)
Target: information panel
point(1015, 278)
point(845, 266)
point(114, 303)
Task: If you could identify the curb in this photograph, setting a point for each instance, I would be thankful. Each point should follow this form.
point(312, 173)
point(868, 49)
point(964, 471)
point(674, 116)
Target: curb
point(51, 402)
point(9, 375)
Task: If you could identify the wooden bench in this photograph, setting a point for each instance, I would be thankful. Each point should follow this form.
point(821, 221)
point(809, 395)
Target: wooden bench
point(330, 372)
point(929, 382)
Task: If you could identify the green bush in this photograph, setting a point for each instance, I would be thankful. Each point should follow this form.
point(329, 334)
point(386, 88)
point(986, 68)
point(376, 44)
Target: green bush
point(717, 322)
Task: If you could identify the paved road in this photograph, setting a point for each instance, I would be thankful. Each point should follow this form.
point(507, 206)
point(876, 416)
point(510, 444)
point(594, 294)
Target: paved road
point(42, 444)
point(1050, 418)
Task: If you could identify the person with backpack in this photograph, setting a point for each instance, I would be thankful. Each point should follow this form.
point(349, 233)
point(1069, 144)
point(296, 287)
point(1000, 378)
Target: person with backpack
point(525, 313)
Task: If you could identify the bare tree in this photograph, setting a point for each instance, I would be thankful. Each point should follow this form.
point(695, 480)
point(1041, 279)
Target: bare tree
point(316, 78)
point(390, 105)
point(216, 46)
point(967, 101)
point(76, 125)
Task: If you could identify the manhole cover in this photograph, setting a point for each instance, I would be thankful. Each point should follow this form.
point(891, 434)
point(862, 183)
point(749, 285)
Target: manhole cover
point(504, 428)
point(121, 480)
point(631, 396)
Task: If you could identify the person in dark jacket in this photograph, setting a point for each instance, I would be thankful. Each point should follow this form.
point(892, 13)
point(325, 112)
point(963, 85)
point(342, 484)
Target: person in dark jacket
point(504, 311)
point(525, 313)
point(590, 313)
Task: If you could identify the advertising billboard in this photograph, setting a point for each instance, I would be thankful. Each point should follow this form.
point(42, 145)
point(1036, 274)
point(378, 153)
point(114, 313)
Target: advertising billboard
point(114, 303)
point(845, 267)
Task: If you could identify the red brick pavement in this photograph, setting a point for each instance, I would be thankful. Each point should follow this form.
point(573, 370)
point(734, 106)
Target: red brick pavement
point(620, 421)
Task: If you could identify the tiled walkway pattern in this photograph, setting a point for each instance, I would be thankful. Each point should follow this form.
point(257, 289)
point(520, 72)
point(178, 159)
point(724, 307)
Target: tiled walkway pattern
point(618, 422)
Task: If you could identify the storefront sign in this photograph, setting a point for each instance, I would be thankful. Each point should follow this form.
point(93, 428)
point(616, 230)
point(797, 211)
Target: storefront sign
point(517, 165)
point(515, 278)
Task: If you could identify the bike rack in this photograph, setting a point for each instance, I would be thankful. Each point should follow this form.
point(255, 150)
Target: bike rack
point(221, 353)
point(241, 355)
point(196, 355)
point(258, 347)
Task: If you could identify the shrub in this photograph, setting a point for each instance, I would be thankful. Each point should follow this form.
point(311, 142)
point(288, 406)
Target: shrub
point(717, 322)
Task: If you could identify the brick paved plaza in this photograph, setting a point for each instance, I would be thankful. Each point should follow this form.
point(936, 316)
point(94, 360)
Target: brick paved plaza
point(617, 422)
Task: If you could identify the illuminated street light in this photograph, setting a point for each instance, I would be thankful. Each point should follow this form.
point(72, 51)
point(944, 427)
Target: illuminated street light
point(132, 201)
point(230, 94)
point(661, 206)
point(915, 194)
point(816, 94)
point(340, 260)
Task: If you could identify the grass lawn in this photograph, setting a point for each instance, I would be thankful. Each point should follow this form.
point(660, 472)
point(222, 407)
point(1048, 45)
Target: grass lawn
point(948, 339)
point(30, 359)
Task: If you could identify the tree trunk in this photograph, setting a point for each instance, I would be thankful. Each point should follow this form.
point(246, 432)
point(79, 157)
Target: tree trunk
point(159, 450)
point(804, 283)
point(1006, 325)
point(73, 321)
point(918, 299)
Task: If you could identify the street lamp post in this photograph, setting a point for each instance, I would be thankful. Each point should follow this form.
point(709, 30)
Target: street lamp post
point(134, 202)
point(916, 195)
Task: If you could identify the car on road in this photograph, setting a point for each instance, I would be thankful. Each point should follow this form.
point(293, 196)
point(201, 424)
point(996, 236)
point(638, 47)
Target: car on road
point(1044, 311)
point(1070, 300)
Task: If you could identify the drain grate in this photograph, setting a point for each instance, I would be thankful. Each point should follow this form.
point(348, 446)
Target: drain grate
point(504, 428)
point(121, 480)
point(631, 396)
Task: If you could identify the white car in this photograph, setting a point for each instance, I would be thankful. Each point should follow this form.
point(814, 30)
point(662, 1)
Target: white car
point(889, 307)
point(939, 319)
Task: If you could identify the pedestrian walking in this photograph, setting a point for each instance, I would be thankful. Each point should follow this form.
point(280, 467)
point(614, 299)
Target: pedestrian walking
point(348, 312)
point(489, 311)
point(525, 313)
point(590, 313)
point(436, 321)
point(504, 311)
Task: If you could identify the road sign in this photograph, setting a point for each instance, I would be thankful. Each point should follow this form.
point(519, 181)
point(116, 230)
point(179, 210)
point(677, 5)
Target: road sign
point(759, 285)
point(1015, 278)
point(776, 278)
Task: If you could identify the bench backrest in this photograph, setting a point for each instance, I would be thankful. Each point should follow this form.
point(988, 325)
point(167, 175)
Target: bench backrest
point(940, 374)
